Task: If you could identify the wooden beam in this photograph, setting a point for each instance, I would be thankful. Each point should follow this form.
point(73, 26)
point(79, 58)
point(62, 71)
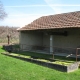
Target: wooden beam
point(65, 33)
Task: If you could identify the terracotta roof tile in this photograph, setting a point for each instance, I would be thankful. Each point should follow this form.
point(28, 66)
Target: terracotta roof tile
point(65, 20)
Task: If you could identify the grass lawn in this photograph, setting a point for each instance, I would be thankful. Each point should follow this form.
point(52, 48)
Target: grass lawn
point(15, 69)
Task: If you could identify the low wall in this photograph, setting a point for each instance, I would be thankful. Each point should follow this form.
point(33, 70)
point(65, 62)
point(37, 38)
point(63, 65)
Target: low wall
point(69, 68)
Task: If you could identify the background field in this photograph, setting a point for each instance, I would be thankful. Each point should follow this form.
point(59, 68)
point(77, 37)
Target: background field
point(5, 30)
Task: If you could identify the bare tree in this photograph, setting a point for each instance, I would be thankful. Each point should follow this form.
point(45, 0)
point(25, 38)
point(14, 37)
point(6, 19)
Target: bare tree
point(2, 12)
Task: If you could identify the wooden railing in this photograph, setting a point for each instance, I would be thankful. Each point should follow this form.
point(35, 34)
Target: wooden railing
point(77, 53)
point(35, 48)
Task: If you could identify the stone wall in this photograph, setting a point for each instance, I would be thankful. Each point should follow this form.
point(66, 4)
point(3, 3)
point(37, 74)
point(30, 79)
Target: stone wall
point(63, 68)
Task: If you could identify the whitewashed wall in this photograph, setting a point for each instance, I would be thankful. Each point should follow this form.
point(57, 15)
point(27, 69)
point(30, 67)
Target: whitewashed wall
point(33, 38)
point(30, 39)
point(72, 40)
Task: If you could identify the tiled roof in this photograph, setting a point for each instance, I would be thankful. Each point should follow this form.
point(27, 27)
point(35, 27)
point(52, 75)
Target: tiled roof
point(65, 20)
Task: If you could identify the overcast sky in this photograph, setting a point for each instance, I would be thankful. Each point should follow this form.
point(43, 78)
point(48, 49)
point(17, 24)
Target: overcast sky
point(23, 12)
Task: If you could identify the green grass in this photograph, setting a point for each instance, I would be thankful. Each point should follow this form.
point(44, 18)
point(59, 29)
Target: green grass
point(15, 69)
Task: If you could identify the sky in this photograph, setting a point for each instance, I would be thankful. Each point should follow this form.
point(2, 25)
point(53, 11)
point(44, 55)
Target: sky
point(23, 12)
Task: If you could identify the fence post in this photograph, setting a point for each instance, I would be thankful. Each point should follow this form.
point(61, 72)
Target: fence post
point(76, 54)
point(53, 56)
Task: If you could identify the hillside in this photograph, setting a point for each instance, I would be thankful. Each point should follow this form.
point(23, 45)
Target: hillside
point(14, 34)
